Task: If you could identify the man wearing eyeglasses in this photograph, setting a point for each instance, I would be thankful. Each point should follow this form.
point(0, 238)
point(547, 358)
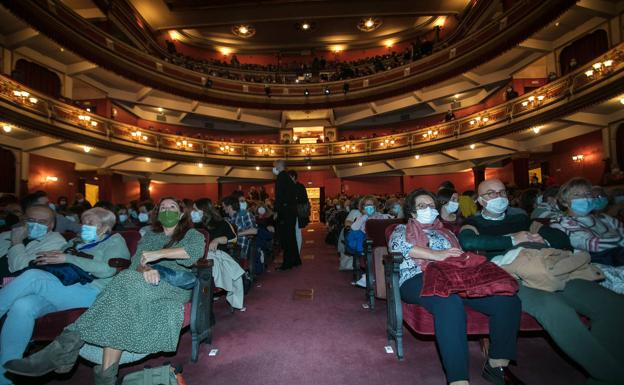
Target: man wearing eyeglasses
point(33, 236)
point(494, 231)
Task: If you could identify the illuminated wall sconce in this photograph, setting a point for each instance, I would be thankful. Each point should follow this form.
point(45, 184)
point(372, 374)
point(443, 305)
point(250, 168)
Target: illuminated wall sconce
point(226, 148)
point(7, 128)
point(348, 147)
point(184, 144)
point(138, 135)
point(536, 129)
point(24, 97)
point(578, 158)
point(533, 101)
point(308, 150)
point(360, 164)
point(200, 165)
point(600, 68)
point(266, 151)
point(416, 156)
point(87, 149)
point(50, 178)
point(431, 134)
point(257, 168)
point(387, 143)
point(473, 146)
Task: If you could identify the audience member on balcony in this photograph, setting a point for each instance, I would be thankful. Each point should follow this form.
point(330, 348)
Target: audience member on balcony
point(597, 350)
point(450, 116)
point(62, 223)
point(81, 201)
point(33, 235)
point(205, 216)
point(136, 312)
point(424, 239)
point(552, 77)
point(510, 93)
point(235, 207)
point(599, 234)
point(547, 206)
point(447, 203)
point(35, 292)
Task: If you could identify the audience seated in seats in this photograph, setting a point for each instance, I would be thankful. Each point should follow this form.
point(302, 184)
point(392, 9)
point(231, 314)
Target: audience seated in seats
point(170, 243)
point(547, 206)
point(61, 205)
point(369, 206)
point(10, 212)
point(616, 206)
point(124, 220)
point(235, 207)
point(23, 242)
point(266, 232)
point(35, 293)
point(598, 351)
point(62, 224)
point(599, 234)
point(144, 215)
point(423, 240)
point(207, 218)
point(394, 208)
point(600, 199)
point(447, 203)
point(81, 201)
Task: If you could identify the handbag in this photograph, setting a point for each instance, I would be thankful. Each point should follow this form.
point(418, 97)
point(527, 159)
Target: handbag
point(182, 279)
point(68, 273)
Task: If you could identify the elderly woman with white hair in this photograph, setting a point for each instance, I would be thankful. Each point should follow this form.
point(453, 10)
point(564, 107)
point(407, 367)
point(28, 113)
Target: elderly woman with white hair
point(37, 291)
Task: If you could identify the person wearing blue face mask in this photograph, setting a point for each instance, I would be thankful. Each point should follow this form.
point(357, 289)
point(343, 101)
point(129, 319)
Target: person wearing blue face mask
point(124, 221)
point(368, 207)
point(242, 219)
point(598, 233)
point(35, 292)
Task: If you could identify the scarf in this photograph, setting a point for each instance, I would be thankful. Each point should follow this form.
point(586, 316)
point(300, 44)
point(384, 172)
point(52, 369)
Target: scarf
point(416, 236)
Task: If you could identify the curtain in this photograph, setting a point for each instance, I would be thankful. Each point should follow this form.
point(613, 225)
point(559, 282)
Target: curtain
point(38, 78)
point(584, 50)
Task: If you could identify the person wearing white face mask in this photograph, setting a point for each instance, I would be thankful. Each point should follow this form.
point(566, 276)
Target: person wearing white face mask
point(423, 240)
point(597, 350)
point(36, 292)
point(448, 204)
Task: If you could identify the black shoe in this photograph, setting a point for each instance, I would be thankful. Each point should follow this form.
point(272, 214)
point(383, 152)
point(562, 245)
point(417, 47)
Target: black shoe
point(283, 268)
point(500, 376)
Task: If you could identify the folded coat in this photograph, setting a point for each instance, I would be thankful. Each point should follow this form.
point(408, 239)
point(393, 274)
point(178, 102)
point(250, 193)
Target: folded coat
point(469, 275)
point(228, 275)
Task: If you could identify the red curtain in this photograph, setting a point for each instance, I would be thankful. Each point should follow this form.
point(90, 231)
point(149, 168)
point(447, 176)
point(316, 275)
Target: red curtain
point(584, 50)
point(37, 77)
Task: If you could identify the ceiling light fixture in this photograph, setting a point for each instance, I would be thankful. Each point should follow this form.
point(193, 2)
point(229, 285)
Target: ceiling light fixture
point(369, 24)
point(86, 149)
point(327, 91)
point(537, 129)
point(306, 92)
point(622, 100)
point(200, 165)
point(360, 164)
point(473, 146)
point(416, 156)
point(257, 168)
point(7, 128)
point(243, 30)
point(148, 160)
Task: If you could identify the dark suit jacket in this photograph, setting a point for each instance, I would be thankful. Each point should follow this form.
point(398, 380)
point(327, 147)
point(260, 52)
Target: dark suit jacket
point(285, 195)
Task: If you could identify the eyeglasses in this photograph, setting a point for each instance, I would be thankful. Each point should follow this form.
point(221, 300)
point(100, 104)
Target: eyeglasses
point(494, 194)
point(422, 206)
point(40, 221)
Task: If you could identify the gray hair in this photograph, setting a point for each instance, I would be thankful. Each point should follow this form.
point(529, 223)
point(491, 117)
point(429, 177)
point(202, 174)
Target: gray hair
point(572, 184)
point(106, 217)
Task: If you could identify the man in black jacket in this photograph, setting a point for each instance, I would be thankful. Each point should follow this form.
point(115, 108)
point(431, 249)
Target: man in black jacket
point(302, 201)
point(286, 210)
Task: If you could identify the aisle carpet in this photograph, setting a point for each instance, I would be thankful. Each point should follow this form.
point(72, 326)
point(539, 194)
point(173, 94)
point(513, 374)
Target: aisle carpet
point(308, 326)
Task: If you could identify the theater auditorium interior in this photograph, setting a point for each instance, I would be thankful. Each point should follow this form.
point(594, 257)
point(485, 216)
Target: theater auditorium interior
point(312, 192)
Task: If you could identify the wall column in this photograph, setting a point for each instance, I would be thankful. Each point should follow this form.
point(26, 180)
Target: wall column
point(144, 193)
point(521, 171)
point(67, 89)
point(7, 61)
point(23, 165)
point(479, 175)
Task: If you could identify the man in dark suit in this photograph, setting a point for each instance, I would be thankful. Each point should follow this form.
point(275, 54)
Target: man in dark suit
point(302, 199)
point(286, 210)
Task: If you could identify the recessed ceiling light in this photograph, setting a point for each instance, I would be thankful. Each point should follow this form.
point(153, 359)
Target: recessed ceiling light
point(61, 49)
point(537, 129)
point(305, 26)
point(369, 24)
point(160, 109)
point(200, 165)
point(243, 30)
point(556, 24)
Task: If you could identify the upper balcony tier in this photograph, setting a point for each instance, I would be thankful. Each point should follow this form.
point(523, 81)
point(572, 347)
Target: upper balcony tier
point(72, 31)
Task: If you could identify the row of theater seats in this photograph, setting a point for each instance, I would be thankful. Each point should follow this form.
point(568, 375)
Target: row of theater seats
point(198, 313)
point(382, 281)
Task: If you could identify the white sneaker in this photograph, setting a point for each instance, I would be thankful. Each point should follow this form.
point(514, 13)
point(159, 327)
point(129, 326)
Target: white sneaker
point(362, 281)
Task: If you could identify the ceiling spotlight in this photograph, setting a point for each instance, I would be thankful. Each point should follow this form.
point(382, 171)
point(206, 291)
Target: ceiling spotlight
point(305, 26)
point(160, 110)
point(7, 128)
point(327, 91)
point(306, 92)
point(86, 148)
point(369, 24)
point(244, 31)
point(309, 167)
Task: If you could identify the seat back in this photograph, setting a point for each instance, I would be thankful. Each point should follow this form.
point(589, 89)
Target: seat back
point(132, 238)
point(376, 232)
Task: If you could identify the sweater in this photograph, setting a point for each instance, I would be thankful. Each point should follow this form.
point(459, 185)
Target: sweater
point(493, 237)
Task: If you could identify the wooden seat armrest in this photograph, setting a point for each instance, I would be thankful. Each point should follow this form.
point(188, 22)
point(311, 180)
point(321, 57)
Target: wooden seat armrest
point(393, 258)
point(204, 263)
point(119, 263)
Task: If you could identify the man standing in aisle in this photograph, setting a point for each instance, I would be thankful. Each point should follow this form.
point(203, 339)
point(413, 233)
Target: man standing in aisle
point(286, 210)
point(303, 208)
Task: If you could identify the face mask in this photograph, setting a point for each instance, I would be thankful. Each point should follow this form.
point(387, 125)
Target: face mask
point(582, 206)
point(36, 230)
point(143, 217)
point(452, 206)
point(426, 216)
point(275, 171)
point(261, 210)
point(196, 216)
point(70, 218)
point(169, 218)
point(600, 203)
point(338, 207)
point(397, 209)
point(369, 210)
point(497, 205)
point(52, 206)
point(539, 199)
point(133, 214)
point(123, 218)
point(242, 206)
point(88, 233)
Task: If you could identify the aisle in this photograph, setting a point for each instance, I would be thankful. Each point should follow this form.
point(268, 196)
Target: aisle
point(326, 339)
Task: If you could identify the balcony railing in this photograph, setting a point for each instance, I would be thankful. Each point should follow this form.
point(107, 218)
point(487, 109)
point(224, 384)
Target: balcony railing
point(66, 27)
point(32, 111)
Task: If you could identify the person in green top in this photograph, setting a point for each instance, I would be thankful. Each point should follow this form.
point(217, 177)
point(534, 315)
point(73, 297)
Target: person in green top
point(597, 349)
point(35, 292)
point(137, 312)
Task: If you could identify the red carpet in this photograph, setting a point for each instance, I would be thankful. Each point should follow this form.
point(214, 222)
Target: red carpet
point(329, 339)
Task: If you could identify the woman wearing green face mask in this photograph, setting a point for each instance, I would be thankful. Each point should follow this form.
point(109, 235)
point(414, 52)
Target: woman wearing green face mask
point(137, 312)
